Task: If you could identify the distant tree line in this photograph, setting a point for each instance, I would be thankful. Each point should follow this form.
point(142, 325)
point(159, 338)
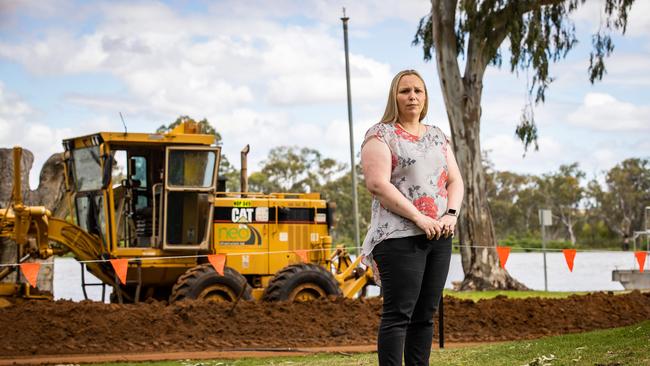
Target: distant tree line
point(600, 212)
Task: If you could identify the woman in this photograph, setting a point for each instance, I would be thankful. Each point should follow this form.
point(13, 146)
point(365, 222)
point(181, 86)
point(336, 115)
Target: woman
point(411, 171)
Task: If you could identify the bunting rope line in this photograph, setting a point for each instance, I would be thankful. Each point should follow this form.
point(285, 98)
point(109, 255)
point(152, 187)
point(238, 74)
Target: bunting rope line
point(186, 256)
point(540, 250)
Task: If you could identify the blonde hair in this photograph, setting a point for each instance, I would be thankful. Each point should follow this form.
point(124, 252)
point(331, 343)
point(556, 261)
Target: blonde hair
point(391, 114)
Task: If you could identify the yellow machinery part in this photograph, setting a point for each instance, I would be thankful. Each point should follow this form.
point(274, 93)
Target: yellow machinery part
point(85, 246)
point(352, 277)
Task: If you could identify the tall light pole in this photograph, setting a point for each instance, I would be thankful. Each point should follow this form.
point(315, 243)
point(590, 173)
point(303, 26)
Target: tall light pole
point(355, 201)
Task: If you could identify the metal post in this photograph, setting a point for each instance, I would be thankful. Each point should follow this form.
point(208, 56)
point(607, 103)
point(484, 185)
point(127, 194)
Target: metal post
point(83, 281)
point(139, 286)
point(544, 253)
point(353, 166)
point(646, 227)
point(545, 219)
point(244, 170)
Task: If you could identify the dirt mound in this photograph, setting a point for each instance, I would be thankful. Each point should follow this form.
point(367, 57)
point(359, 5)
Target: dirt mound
point(65, 327)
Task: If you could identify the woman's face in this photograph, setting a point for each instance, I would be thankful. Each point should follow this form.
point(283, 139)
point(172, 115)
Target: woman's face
point(410, 98)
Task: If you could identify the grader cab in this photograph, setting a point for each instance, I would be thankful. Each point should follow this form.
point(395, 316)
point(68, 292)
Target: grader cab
point(152, 199)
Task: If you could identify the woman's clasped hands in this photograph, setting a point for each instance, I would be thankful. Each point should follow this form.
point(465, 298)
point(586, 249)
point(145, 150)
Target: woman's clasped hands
point(448, 224)
point(435, 229)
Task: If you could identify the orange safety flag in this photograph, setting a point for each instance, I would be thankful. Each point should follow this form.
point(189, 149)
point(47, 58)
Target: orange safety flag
point(120, 266)
point(218, 261)
point(569, 256)
point(302, 253)
point(503, 252)
point(640, 257)
point(30, 271)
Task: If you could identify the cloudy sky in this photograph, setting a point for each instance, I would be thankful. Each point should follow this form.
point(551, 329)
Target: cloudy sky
point(272, 73)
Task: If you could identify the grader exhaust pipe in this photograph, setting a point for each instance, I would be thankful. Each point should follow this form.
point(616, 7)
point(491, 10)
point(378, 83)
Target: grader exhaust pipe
point(244, 169)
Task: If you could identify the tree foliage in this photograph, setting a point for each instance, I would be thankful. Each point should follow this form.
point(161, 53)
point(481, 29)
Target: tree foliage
point(204, 127)
point(514, 201)
point(539, 32)
point(339, 192)
point(622, 202)
point(563, 194)
point(594, 214)
point(466, 36)
point(293, 169)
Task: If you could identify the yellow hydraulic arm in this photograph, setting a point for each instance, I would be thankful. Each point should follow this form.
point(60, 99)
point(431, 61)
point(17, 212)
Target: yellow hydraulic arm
point(20, 223)
point(351, 277)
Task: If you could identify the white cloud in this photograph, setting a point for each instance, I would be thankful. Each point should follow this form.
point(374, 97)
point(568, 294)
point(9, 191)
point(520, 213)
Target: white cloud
point(638, 21)
point(594, 156)
point(624, 68)
point(606, 157)
point(628, 64)
point(204, 63)
point(234, 71)
point(327, 84)
point(267, 83)
point(628, 69)
point(106, 103)
point(503, 111)
point(606, 113)
point(265, 131)
point(18, 129)
point(361, 13)
point(20, 125)
point(507, 153)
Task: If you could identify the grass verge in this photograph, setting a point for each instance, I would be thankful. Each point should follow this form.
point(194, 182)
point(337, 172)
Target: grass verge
point(618, 346)
point(481, 295)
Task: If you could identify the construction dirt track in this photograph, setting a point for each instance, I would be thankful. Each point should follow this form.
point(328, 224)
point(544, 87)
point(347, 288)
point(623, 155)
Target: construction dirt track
point(64, 327)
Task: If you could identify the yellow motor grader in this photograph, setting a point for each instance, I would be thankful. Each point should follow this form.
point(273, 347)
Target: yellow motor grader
point(165, 213)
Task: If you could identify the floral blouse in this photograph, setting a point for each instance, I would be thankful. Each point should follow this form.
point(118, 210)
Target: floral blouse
point(419, 171)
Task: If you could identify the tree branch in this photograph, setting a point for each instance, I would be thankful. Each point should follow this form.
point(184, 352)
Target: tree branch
point(500, 19)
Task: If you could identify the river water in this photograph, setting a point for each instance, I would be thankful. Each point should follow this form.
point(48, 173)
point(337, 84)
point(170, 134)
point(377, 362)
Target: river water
point(591, 272)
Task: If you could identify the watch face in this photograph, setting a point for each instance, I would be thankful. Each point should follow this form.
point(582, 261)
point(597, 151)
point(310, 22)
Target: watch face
point(451, 211)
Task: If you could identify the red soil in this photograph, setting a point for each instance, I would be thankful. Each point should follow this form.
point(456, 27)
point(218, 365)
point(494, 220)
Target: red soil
point(64, 327)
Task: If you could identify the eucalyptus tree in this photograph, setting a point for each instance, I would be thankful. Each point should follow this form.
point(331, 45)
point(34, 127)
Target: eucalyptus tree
point(476, 34)
point(563, 194)
point(622, 203)
point(294, 169)
point(504, 196)
point(338, 191)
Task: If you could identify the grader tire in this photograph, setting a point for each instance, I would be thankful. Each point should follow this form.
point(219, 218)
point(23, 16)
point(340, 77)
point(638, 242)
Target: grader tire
point(203, 282)
point(301, 282)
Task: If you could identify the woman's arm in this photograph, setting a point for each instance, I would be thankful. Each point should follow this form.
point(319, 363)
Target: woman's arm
point(376, 163)
point(455, 192)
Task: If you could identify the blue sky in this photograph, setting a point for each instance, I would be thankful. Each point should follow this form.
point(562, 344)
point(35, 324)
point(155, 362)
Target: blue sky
point(272, 73)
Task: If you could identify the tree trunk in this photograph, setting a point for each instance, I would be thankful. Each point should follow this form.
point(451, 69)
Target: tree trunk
point(462, 96)
point(567, 221)
point(50, 193)
point(572, 236)
point(476, 228)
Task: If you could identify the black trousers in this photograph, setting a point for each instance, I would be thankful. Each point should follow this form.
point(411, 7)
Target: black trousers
point(413, 271)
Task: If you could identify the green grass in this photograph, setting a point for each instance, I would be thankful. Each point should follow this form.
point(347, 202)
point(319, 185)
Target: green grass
point(619, 346)
point(480, 295)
